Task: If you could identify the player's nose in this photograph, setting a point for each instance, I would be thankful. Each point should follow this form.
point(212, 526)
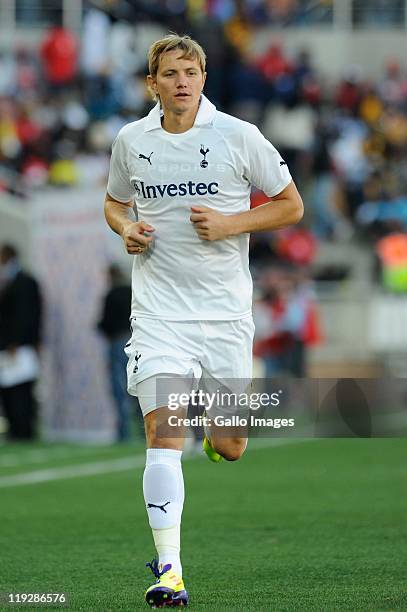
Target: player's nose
point(181, 81)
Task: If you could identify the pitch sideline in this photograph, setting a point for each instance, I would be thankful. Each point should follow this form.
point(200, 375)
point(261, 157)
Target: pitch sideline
point(114, 465)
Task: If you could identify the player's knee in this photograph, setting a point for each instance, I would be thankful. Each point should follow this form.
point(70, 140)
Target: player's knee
point(232, 455)
point(231, 450)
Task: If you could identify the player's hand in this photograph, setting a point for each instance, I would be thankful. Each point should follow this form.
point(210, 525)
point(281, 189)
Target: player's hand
point(135, 239)
point(210, 224)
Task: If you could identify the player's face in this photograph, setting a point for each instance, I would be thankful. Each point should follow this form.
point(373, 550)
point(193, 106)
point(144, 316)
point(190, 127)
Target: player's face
point(179, 82)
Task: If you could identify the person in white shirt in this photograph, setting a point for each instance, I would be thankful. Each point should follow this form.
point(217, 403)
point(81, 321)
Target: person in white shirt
point(179, 196)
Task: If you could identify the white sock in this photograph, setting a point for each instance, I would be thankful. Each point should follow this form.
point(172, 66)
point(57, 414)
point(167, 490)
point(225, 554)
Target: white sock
point(163, 488)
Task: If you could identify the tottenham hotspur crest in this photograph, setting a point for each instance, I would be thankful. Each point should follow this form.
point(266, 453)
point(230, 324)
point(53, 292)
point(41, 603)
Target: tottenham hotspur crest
point(203, 151)
point(136, 359)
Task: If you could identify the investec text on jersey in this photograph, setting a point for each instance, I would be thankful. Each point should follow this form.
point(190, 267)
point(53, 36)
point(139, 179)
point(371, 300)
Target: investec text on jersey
point(172, 190)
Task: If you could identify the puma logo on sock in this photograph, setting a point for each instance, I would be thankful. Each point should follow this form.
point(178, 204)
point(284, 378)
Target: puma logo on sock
point(161, 507)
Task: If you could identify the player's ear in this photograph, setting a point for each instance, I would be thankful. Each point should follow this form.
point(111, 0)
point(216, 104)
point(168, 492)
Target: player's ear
point(203, 79)
point(152, 84)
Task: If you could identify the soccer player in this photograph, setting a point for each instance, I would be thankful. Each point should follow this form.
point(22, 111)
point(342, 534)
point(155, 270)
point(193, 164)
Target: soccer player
point(179, 196)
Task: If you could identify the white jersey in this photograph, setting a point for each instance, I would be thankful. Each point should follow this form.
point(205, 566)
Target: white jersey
point(213, 164)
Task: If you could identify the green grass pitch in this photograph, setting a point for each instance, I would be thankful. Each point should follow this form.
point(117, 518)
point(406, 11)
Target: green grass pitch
point(316, 525)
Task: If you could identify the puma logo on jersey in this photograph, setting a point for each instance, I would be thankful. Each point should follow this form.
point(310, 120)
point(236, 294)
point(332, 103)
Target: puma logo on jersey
point(182, 189)
point(141, 156)
point(283, 163)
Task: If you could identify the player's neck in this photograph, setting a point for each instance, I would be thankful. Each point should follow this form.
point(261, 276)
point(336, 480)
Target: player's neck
point(177, 123)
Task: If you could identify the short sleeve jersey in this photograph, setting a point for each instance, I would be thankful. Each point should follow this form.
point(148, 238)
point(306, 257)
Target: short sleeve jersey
point(213, 164)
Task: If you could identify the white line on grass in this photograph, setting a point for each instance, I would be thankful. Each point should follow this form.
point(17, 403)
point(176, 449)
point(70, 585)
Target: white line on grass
point(41, 455)
point(73, 471)
point(108, 467)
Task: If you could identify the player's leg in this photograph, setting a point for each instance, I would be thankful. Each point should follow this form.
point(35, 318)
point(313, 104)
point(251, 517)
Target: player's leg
point(230, 447)
point(163, 484)
point(228, 371)
point(157, 347)
point(224, 440)
point(163, 490)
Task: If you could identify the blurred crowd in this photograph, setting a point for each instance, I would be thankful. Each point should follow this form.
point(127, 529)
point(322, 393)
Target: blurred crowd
point(62, 105)
point(274, 13)
point(345, 141)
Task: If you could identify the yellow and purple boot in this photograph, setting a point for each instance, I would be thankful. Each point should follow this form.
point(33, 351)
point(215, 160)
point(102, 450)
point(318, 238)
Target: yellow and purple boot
point(169, 589)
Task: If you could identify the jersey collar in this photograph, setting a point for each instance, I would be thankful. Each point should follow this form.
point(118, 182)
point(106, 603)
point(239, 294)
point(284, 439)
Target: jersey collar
point(206, 114)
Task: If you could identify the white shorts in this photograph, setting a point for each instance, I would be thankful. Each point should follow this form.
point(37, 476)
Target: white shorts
point(220, 350)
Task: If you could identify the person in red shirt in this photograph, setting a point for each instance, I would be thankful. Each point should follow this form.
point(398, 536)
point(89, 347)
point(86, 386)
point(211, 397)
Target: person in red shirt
point(59, 54)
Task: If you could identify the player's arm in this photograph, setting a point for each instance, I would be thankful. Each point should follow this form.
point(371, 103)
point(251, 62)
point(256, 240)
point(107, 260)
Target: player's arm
point(122, 220)
point(286, 208)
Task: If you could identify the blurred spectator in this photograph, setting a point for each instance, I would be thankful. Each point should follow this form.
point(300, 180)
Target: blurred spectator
point(8, 73)
point(20, 327)
point(371, 106)
point(296, 245)
point(114, 324)
point(281, 11)
point(392, 253)
point(28, 72)
point(349, 91)
point(239, 32)
point(349, 159)
point(59, 54)
point(289, 12)
point(286, 321)
point(95, 43)
point(393, 87)
point(306, 79)
point(325, 213)
point(291, 129)
point(383, 208)
point(248, 90)
point(274, 64)
point(219, 56)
